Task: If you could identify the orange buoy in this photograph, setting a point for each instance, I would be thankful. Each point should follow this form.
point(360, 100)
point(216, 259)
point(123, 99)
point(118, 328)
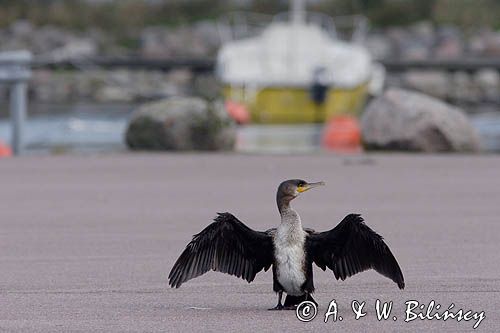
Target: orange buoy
point(342, 134)
point(238, 112)
point(5, 150)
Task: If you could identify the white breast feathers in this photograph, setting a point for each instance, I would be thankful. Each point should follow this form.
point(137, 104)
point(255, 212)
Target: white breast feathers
point(289, 243)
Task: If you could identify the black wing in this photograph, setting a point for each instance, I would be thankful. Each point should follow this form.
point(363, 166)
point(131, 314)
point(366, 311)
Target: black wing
point(228, 246)
point(352, 247)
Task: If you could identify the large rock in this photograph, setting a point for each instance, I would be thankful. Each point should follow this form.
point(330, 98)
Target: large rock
point(405, 120)
point(488, 82)
point(197, 40)
point(181, 123)
point(462, 88)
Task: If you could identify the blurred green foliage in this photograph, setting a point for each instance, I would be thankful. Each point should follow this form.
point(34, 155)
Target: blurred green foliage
point(463, 13)
point(112, 15)
point(380, 12)
point(124, 16)
point(468, 13)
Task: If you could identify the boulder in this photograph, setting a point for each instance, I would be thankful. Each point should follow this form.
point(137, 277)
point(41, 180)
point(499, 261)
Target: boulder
point(488, 82)
point(406, 120)
point(449, 43)
point(181, 123)
point(462, 88)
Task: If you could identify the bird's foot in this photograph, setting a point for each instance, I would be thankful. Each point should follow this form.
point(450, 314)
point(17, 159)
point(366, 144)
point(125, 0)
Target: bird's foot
point(290, 307)
point(277, 307)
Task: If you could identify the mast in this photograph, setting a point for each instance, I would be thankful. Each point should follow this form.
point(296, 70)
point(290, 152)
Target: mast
point(298, 11)
point(297, 19)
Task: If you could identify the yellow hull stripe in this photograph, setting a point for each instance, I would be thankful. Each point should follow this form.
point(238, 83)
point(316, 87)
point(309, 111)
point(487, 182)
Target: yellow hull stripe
point(279, 105)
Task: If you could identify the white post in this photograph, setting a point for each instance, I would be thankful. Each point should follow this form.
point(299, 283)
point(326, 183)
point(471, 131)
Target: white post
point(15, 71)
point(18, 103)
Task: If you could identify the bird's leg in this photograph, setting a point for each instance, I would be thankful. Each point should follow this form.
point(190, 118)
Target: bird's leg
point(311, 299)
point(279, 306)
point(292, 302)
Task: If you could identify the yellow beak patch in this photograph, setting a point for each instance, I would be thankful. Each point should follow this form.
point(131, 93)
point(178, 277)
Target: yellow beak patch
point(304, 188)
point(309, 186)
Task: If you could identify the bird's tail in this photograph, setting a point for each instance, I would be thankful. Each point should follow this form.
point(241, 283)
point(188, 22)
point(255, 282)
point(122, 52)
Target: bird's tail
point(296, 300)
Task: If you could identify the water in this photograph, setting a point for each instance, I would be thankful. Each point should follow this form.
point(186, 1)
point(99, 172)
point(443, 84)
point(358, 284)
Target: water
point(91, 128)
point(279, 138)
point(80, 128)
point(488, 127)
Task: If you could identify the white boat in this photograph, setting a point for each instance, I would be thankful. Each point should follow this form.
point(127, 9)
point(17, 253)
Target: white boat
point(297, 69)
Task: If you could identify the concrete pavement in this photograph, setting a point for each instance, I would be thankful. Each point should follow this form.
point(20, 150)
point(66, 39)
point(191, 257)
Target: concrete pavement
point(86, 242)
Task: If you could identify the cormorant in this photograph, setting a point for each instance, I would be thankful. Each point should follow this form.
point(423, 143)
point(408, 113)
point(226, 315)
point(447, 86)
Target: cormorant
point(229, 246)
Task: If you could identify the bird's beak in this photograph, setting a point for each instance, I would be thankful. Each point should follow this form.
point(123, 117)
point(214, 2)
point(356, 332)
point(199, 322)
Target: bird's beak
point(309, 186)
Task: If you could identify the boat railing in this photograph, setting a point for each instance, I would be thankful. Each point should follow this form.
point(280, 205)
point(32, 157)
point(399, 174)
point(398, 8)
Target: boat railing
point(239, 25)
point(353, 28)
point(325, 22)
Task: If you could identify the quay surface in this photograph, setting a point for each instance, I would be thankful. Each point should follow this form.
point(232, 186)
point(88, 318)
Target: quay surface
point(86, 242)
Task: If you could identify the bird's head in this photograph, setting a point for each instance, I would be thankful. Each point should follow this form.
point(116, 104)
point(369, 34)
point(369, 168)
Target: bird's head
point(290, 189)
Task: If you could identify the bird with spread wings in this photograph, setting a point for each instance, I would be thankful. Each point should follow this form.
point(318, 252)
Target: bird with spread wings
point(229, 246)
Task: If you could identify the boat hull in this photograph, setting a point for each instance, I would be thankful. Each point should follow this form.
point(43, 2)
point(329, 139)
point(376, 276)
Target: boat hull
point(293, 105)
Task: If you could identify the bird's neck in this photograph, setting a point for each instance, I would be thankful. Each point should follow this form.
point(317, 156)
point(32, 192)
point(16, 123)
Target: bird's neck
point(283, 202)
point(290, 217)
